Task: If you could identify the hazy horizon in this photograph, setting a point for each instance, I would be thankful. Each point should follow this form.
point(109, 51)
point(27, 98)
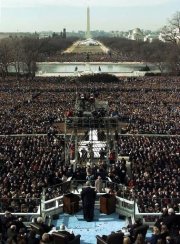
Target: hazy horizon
point(107, 15)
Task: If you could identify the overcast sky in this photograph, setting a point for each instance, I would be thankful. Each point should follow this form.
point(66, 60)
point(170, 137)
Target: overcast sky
point(39, 15)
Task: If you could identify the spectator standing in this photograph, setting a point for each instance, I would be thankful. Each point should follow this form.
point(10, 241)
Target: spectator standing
point(99, 185)
point(88, 196)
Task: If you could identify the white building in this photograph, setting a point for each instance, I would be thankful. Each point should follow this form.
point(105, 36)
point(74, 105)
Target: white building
point(136, 35)
point(45, 34)
point(151, 37)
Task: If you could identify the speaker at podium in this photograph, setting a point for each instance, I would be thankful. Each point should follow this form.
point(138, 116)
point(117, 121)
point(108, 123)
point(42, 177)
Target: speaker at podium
point(107, 204)
point(70, 203)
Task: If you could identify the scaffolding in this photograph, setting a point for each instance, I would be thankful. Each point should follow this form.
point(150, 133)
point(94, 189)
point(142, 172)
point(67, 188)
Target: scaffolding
point(90, 139)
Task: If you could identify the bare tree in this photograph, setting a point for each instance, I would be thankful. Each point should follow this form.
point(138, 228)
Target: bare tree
point(5, 56)
point(17, 55)
point(30, 54)
point(171, 32)
point(173, 59)
point(157, 52)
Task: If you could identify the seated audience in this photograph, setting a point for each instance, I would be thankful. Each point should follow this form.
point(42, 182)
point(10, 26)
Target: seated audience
point(140, 239)
point(156, 235)
point(42, 227)
point(32, 239)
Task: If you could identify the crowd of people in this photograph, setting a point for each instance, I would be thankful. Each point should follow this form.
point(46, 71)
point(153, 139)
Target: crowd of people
point(165, 231)
point(111, 56)
point(31, 163)
point(14, 231)
point(155, 169)
point(147, 105)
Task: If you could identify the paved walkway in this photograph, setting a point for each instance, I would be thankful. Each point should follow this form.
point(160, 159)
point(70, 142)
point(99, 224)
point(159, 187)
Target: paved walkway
point(78, 47)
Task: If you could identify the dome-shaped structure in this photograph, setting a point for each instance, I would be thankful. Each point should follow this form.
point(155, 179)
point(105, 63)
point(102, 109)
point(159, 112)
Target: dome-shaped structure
point(137, 35)
point(137, 31)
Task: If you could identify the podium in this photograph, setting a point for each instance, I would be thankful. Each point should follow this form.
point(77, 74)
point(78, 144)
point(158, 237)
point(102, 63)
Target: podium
point(107, 204)
point(70, 203)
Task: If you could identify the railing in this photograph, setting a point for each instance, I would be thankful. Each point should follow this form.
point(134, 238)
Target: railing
point(70, 185)
point(63, 135)
point(124, 207)
point(58, 190)
point(29, 135)
point(48, 207)
point(28, 209)
point(51, 205)
point(27, 216)
point(128, 208)
point(149, 218)
point(55, 205)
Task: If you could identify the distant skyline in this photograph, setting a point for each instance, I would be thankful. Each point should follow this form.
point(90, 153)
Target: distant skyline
point(107, 15)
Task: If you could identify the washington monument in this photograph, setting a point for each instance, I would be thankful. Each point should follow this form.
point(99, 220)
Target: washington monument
point(88, 32)
point(88, 45)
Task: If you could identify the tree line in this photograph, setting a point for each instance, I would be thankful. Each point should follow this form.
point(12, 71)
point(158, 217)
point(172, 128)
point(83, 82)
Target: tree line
point(20, 54)
point(165, 54)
